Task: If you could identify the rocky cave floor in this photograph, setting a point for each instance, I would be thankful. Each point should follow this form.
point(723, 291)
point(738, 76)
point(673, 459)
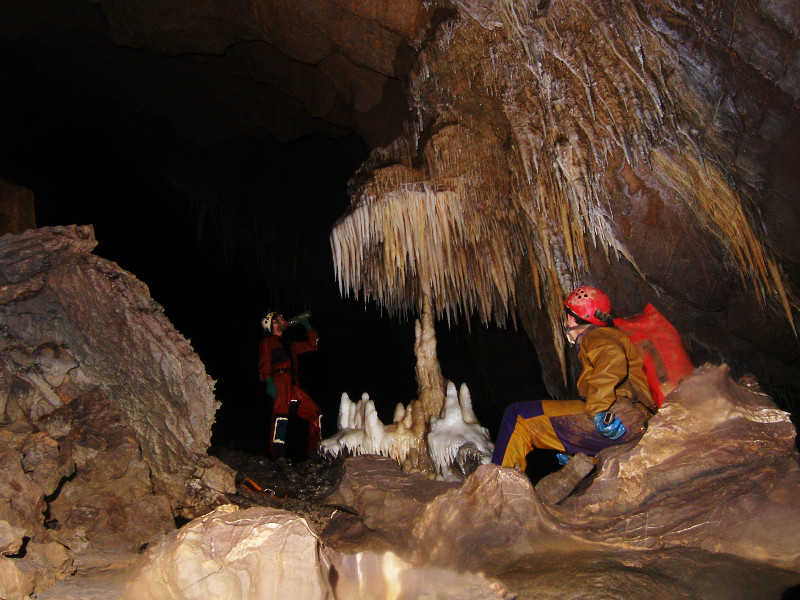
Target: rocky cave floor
point(303, 486)
point(298, 486)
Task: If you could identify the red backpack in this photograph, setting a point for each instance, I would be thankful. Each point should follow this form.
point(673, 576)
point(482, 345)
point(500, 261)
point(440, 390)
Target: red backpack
point(666, 361)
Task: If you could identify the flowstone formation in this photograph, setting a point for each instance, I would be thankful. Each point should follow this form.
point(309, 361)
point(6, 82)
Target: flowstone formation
point(271, 553)
point(621, 144)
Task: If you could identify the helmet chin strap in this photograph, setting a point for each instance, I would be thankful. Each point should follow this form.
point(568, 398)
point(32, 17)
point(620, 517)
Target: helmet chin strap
point(572, 333)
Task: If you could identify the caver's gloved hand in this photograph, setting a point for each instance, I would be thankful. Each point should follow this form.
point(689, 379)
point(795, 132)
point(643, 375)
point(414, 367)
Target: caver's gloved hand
point(306, 324)
point(271, 390)
point(609, 425)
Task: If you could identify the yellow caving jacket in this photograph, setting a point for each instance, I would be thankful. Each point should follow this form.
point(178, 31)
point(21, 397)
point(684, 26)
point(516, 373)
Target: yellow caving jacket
point(612, 368)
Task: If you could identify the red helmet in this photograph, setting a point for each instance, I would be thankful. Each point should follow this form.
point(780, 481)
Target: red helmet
point(589, 304)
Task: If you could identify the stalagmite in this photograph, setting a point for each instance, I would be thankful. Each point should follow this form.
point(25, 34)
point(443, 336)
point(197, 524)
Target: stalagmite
point(457, 428)
point(451, 430)
point(426, 435)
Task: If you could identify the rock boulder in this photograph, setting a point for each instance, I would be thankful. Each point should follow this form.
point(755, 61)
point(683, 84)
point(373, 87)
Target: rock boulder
point(264, 552)
point(717, 470)
point(74, 323)
point(105, 412)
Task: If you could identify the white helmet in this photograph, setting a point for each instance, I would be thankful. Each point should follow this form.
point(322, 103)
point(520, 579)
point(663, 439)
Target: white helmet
point(266, 320)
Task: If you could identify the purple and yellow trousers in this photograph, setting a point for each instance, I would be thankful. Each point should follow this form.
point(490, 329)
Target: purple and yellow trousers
point(560, 425)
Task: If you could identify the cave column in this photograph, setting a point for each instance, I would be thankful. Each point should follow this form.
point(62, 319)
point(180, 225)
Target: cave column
point(430, 383)
point(431, 387)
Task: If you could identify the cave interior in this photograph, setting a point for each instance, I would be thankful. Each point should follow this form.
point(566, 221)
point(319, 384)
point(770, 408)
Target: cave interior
point(223, 230)
point(212, 154)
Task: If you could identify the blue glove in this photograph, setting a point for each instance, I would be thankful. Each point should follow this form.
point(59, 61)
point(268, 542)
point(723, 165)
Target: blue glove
point(271, 390)
point(306, 324)
point(609, 425)
point(563, 458)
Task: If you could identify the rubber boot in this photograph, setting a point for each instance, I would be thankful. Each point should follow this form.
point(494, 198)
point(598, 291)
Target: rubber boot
point(557, 486)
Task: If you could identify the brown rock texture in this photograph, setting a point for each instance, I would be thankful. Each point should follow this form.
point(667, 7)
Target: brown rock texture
point(76, 324)
point(387, 500)
point(22, 511)
point(716, 471)
point(109, 503)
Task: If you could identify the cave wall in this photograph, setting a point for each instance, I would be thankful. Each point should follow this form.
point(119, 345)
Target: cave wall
point(581, 142)
point(642, 147)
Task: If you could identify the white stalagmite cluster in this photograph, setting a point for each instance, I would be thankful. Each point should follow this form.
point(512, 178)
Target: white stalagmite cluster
point(457, 427)
point(361, 432)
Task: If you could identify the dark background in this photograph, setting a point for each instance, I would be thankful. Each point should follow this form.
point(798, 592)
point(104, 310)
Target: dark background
point(221, 235)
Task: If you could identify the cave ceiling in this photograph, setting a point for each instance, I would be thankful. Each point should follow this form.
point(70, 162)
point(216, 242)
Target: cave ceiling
point(638, 146)
point(218, 70)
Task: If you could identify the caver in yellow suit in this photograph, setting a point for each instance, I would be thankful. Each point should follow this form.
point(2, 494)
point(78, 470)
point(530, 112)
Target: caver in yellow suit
point(615, 400)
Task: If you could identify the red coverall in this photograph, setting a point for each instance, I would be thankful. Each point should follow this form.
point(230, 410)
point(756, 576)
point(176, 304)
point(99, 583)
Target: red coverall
point(274, 361)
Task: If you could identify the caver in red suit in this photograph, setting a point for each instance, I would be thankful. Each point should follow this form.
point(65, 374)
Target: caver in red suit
point(277, 368)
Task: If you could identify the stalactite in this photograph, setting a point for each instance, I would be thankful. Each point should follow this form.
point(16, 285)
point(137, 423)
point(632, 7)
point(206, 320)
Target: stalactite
point(503, 167)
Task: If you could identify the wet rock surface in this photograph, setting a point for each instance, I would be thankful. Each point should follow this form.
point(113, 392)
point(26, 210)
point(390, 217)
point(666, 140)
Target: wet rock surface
point(366, 516)
point(265, 552)
point(674, 573)
point(717, 470)
point(493, 523)
point(703, 506)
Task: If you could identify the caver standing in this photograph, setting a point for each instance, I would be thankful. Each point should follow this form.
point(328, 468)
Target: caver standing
point(277, 368)
point(615, 402)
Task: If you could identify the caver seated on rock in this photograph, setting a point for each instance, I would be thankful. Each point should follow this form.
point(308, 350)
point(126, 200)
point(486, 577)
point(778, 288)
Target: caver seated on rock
point(614, 408)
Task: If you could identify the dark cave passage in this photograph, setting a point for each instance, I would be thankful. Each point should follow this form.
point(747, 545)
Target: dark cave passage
point(221, 235)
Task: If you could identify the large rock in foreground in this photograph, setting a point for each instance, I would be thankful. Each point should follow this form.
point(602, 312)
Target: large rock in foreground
point(105, 412)
point(272, 553)
point(74, 322)
point(717, 471)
